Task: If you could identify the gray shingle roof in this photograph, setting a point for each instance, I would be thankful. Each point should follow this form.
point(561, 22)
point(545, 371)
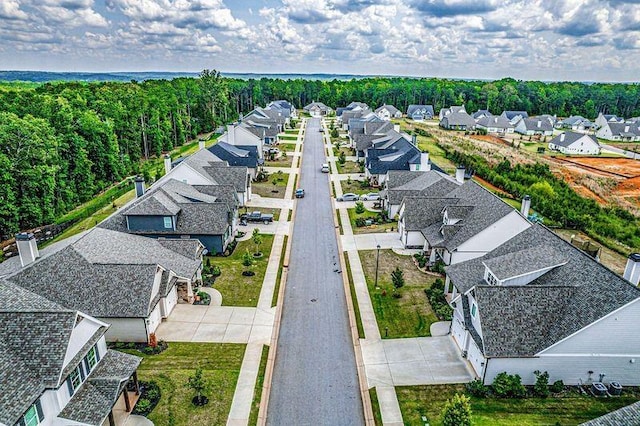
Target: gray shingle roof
point(96, 397)
point(525, 261)
point(422, 110)
point(457, 118)
point(320, 105)
point(246, 156)
point(158, 204)
point(392, 110)
point(538, 124)
point(628, 416)
point(523, 320)
point(420, 212)
point(512, 114)
point(571, 137)
point(495, 121)
point(403, 184)
point(29, 321)
point(624, 129)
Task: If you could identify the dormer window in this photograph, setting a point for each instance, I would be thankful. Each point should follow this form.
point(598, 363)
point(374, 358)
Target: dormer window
point(474, 310)
point(491, 279)
point(168, 223)
point(33, 416)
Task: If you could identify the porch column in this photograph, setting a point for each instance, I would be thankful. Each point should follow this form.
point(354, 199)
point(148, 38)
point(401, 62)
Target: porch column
point(447, 283)
point(127, 403)
point(189, 291)
point(135, 382)
point(112, 421)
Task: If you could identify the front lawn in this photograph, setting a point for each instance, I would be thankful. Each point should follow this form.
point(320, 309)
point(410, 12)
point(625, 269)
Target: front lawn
point(356, 187)
point(568, 409)
point(348, 167)
point(236, 289)
point(269, 189)
point(284, 147)
point(410, 315)
point(288, 137)
point(171, 370)
point(374, 227)
point(282, 161)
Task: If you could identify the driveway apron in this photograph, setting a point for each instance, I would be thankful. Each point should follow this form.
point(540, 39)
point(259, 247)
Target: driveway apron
point(315, 378)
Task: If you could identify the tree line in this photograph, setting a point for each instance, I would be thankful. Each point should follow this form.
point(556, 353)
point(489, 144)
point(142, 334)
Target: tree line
point(62, 143)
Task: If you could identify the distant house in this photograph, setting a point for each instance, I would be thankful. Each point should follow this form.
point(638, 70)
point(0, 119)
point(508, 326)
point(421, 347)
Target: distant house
point(56, 368)
point(603, 119)
point(363, 132)
point(128, 281)
point(537, 303)
point(238, 135)
point(286, 108)
point(615, 131)
point(392, 151)
point(575, 143)
point(176, 210)
point(353, 110)
point(534, 126)
point(481, 113)
point(575, 122)
point(402, 183)
point(239, 155)
point(446, 111)
point(387, 112)
point(420, 112)
point(514, 116)
point(317, 109)
point(456, 118)
point(495, 124)
point(463, 224)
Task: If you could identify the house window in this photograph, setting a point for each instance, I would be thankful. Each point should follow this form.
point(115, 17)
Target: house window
point(33, 416)
point(92, 359)
point(474, 309)
point(491, 279)
point(168, 223)
point(76, 378)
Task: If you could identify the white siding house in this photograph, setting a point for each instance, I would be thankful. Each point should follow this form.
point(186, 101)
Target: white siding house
point(575, 143)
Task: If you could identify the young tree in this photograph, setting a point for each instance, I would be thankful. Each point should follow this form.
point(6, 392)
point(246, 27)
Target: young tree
point(257, 239)
point(397, 278)
point(199, 385)
point(342, 158)
point(457, 411)
point(247, 259)
point(335, 133)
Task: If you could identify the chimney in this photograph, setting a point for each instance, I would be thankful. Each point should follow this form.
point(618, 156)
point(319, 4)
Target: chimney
point(539, 123)
point(460, 174)
point(139, 181)
point(27, 248)
point(626, 129)
point(424, 161)
point(495, 120)
point(396, 127)
point(562, 137)
point(167, 164)
point(631, 271)
point(231, 133)
point(201, 143)
point(526, 206)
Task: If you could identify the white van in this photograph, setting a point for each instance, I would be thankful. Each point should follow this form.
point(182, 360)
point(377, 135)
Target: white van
point(325, 168)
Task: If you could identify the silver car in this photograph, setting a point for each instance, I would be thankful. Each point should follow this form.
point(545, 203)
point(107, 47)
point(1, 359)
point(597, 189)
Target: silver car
point(349, 196)
point(372, 196)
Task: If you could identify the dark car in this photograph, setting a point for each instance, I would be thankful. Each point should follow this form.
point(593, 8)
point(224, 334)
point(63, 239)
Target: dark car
point(299, 193)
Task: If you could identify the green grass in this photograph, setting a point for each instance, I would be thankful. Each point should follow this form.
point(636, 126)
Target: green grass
point(257, 392)
point(354, 186)
point(375, 407)
point(374, 228)
point(236, 289)
point(569, 409)
point(354, 298)
point(436, 154)
point(171, 370)
point(348, 167)
point(282, 161)
point(288, 137)
point(265, 189)
point(409, 316)
point(291, 131)
point(340, 223)
point(276, 290)
point(283, 147)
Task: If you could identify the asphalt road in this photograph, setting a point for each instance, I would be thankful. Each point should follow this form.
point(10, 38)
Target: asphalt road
point(315, 378)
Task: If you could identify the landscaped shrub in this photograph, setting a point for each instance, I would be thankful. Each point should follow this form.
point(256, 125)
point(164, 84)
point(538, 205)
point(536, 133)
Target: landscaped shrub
point(557, 386)
point(215, 271)
point(508, 386)
point(457, 411)
point(360, 207)
point(438, 267)
point(477, 388)
point(438, 302)
point(397, 278)
point(421, 259)
point(541, 388)
point(360, 222)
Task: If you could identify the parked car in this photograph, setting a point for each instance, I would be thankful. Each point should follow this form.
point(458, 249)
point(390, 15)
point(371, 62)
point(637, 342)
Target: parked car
point(299, 193)
point(321, 130)
point(372, 196)
point(274, 151)
point(349, 196)
point(324, 168)
point(256, 216)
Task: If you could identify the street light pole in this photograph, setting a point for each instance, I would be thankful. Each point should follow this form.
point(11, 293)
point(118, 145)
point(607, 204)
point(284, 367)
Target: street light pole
point(377, 259)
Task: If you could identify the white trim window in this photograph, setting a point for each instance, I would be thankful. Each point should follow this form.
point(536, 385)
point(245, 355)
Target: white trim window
point(33, 416)
point(92, 358)
point(168, 222)
point(474, 310)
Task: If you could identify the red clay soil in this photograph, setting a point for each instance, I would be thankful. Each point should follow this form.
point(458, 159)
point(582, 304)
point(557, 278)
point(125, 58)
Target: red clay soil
point(493, 188)
point(620, 166)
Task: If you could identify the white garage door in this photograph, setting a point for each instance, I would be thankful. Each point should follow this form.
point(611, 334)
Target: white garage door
point(458, 332)
point(475, 357)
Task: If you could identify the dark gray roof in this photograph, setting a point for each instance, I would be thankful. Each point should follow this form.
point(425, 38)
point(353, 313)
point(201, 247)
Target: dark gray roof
point(571, 137)
point(392, 110)
point(403, 184)
point(157, 204)
point(627, 416)
point(624, 129)
point(320, 105)
point(457, 118)
point(538, 124)
point(511, 114)
point(495, 121)
point(96, 397)
point(422, 110)
point(525, 261)
point(34, 335)
point(246, 156)
point(396, 155)
point(232, 175)
point(481, 113)
point(420, 212)
point(523, 320)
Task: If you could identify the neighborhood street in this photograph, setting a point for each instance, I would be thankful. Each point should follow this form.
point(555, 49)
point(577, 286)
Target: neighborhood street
point(315, 379)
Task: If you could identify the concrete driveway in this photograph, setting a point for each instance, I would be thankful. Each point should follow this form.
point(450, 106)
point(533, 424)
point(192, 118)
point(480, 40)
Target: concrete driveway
point(386, 240)
point(417, 361)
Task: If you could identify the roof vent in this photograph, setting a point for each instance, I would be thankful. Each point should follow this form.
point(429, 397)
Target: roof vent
point(460, 174)
point(139, 181)
point(632, 270)
point(167, 164)
point(27, 248)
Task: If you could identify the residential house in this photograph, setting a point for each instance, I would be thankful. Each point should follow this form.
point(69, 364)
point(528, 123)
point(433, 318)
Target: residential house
point(56, 368)
point(317, 109)
point(241, 135)
point(363, 132)
point(575, 143)
point(603, 119)
point(495, 124)
point(239, 155)
point(403, 183)
point(387, 112)
point(481, 113)
point(446, 111)
point(624, 132)
point(128, 281)
point(176, 210)
point(457, 119)
point(537, 303)
point(420, 112)
point(628, 415)
point(351, 111)
point(204, 168)
point(393, 151)
point(464, 224)
point(534, 126)
point(514, 116)
point(267, 129)
point(286, 108)
point(576, 122)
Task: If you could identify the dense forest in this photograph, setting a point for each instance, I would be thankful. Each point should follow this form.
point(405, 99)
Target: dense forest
point(62, 143)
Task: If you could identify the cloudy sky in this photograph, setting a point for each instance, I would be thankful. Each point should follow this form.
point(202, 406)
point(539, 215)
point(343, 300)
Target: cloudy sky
point(526, 39)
